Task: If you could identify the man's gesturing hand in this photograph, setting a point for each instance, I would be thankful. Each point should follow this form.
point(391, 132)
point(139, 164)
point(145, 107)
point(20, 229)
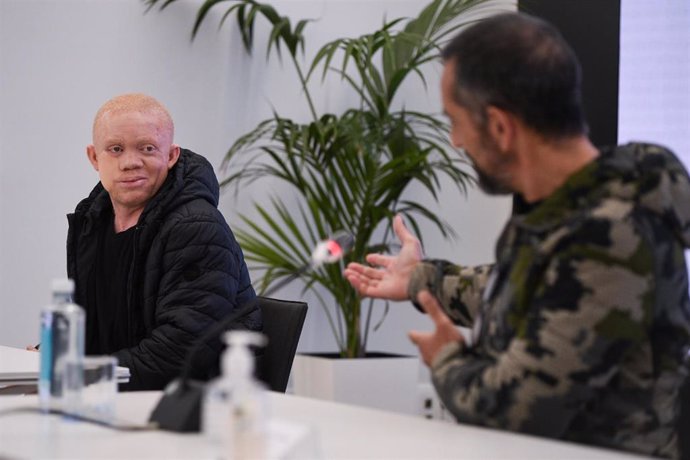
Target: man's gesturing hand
point(430, 343)
point(390, 275)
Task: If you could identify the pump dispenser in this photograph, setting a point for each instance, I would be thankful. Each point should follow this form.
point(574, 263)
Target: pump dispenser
point(235, 412)
point(238, 361)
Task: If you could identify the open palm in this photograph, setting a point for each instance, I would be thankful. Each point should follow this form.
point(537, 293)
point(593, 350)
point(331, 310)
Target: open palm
point(388, 276)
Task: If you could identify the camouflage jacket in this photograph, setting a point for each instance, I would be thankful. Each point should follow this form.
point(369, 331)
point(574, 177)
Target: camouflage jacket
point(582, 324)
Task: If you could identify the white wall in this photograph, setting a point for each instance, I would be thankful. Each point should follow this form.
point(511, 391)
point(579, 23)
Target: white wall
point(654, 92)
point(59, 60)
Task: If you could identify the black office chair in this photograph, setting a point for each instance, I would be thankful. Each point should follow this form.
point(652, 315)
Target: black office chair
point(283, 321)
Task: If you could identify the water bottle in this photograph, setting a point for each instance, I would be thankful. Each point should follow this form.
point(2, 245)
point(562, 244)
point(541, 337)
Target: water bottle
point(61, 375)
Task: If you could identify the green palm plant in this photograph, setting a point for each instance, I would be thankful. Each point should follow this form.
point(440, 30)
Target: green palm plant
point(349, 171)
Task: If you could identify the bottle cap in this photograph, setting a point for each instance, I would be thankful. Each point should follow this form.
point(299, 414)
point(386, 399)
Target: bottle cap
point(244, 338)
point(238, 361)
point(63, 285)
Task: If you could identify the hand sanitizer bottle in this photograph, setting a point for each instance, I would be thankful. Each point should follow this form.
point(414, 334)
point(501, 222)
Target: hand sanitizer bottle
point(235, 411)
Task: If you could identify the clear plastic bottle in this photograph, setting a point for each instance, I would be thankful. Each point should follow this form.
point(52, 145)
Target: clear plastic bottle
point(61, 376)
point(235, 410)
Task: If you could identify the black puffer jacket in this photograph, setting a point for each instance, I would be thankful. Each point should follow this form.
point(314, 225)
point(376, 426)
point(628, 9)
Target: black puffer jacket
point(187, 273)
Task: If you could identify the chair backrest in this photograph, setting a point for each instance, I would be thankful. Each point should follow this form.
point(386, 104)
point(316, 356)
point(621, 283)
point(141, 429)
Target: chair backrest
point(283, 321)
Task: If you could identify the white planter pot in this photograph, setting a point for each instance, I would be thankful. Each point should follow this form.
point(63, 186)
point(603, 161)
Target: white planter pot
point(389, 382)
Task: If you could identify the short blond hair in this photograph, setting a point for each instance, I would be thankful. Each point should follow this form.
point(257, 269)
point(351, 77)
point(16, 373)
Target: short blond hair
point(135, 102)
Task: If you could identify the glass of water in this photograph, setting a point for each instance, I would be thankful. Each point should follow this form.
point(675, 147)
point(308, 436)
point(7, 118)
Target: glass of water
point(100, 388)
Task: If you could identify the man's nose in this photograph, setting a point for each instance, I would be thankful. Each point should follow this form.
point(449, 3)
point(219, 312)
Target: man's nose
point(130, 159)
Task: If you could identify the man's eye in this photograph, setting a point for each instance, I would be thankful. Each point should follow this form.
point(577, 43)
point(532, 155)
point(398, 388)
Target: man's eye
point(116, 149)
point(149, 148)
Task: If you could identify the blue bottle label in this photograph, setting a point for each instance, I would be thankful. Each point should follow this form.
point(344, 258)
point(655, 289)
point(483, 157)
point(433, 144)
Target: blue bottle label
point(46, 350)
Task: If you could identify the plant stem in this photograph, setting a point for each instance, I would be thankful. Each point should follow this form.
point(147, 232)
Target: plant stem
point(302, 80)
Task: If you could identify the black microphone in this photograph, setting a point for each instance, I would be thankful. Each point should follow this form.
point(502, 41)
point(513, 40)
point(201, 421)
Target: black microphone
point(179, 409)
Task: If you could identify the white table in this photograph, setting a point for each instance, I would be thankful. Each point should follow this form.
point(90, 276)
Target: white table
point(341, 432)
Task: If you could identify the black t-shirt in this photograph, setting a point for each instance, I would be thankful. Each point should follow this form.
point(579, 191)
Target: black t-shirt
point(107, 318)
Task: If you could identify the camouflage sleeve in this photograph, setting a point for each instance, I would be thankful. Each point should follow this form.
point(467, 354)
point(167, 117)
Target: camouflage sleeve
point(582, 315)
point(459, 289)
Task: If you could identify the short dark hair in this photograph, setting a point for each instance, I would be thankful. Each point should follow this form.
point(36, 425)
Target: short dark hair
point(521, 64)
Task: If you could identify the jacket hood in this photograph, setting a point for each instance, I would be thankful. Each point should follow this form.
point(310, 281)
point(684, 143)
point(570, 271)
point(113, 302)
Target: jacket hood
point(646, 175)
point(191, 178)
point(653, 178)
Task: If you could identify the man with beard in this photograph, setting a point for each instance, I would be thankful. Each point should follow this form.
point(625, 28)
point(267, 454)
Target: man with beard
point(580, 329)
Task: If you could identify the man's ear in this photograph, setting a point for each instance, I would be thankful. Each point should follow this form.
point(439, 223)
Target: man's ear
point(91, 155)
point(173, 156)
point(501, 127)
